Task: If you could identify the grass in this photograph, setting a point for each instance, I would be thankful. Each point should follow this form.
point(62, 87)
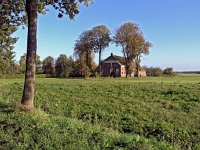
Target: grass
point(139, 113)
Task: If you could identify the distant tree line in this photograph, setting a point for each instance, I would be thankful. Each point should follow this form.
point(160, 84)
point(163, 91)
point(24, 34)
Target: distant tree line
point(82, 65)
point(157, 71)
point(61, 67)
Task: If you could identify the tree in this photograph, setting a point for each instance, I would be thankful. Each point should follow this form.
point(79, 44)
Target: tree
point(63, 66)
point(84, 52)
point(48, 66)
point(101, 39)
point(7, 61)
point(143, 49)
point(153, 71)
point(133, 44)
point(22, 63)
point(168, 71)
point(77, 69)
point(26, 11)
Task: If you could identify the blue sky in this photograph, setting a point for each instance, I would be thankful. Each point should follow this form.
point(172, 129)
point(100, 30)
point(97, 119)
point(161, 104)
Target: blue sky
point(172, 26)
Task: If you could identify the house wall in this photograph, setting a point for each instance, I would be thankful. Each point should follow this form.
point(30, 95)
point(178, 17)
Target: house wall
point(111, 68)
point(123, 71)
point(114, 68)
point(142, 73)
point(106, 69)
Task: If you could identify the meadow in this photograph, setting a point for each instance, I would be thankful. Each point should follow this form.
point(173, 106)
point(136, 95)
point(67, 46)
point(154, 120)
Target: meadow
point(108, 113)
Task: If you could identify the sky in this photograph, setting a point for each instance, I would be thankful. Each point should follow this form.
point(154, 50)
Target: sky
point(172, 26)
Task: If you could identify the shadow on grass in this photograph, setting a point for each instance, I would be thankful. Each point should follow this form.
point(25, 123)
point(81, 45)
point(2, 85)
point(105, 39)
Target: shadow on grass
point(7, 108)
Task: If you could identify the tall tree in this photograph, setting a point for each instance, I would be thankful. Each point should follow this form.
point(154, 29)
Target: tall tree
point(132, 41)
point(22, 10)
point(84, 52)
point(101, 40)
point(143, 49)
point(6, 43)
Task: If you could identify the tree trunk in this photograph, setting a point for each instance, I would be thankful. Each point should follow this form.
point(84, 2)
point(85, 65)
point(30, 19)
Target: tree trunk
point(87, 57)
point(126, 67)
point(137, 66)
point(100, 62)
point(29, 84)
point(126, 61)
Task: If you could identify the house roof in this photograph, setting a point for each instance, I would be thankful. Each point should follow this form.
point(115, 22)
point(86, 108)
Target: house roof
point(115, 58)
point(119, 59)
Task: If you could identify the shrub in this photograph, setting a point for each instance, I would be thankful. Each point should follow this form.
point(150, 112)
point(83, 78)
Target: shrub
point(154, 71)
point(168, 71)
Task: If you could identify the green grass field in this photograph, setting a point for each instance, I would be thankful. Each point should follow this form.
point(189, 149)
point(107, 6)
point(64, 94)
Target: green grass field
point(139, 113)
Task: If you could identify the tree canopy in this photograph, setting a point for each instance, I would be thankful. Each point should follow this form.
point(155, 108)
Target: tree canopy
point(48, 65)
point(84, 52)
point(101, 39)
point(63, 66)
point(16, 10)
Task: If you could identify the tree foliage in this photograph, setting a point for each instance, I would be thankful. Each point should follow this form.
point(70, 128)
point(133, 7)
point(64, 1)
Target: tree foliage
point(168, 71)
point(16, 10)
point(154, 71)
point(48, 66)
point(63, 66)
point(131, 39)
point(7, 62)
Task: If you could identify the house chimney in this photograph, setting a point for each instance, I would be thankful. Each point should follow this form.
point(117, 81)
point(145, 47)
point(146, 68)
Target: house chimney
point(111, 54)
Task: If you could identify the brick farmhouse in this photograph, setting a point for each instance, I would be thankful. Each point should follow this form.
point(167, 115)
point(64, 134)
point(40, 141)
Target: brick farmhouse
point(114, 66)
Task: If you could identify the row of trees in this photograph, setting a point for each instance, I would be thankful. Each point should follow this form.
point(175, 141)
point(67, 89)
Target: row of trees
point(157, 71)
point(61, 67)
point(128, 36)
point(64, 66)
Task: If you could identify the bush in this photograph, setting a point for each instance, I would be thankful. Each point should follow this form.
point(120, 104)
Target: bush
point(154, 71)
point(168, 71)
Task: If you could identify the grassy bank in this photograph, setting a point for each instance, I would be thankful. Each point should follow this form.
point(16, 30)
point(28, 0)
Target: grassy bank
point(139, 113)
